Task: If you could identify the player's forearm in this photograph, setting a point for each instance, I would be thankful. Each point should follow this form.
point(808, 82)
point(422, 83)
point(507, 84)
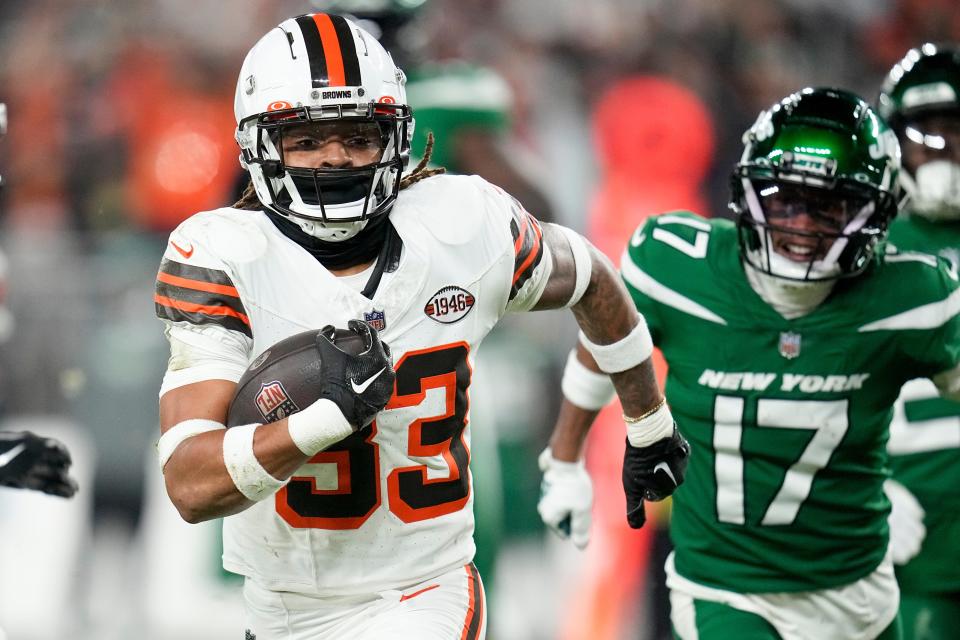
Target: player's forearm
point(191, 450)
point(197, 479)
point(607, 315)
point(570, 432)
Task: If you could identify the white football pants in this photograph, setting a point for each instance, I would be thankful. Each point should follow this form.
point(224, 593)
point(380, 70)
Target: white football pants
point(451, 606)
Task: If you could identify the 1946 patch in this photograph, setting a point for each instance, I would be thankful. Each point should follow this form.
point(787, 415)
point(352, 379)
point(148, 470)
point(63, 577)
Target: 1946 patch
point(450, 304)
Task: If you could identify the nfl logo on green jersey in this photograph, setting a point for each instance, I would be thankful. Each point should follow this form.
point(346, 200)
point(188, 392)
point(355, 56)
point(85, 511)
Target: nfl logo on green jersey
point(789, 344)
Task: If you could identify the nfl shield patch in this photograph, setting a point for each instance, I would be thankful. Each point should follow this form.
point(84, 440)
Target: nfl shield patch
point(274, 402)
point(789, 344)
point(376, 319)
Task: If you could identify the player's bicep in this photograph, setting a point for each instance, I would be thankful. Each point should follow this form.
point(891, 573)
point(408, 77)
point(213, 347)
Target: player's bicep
point(199, 353)
point(571, 267)
point(206, 400)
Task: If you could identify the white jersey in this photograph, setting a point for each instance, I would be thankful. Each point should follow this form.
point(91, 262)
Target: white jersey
point(392, 505)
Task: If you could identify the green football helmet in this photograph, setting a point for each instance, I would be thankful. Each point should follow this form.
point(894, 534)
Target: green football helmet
point(920, 99)
point(816, 187)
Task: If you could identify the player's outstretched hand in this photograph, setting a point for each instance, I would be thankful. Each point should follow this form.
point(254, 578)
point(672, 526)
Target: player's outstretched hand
point(653, 473)
point(29, 461)
point(359, 384)
point(566, 497)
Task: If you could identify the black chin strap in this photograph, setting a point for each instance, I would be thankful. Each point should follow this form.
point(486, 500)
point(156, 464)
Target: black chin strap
point(387, 261)
point(377, 240)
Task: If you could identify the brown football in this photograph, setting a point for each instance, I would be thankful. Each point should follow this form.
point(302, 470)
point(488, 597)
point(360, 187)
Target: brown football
point(285, 378)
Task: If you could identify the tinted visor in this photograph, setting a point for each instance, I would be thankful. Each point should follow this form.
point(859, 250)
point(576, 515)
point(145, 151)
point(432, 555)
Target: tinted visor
point(332, 144)
point(827, 210)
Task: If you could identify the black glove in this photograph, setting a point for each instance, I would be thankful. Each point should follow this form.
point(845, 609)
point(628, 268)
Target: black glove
point(653, 473)
point(361, 384)
point(28, 461)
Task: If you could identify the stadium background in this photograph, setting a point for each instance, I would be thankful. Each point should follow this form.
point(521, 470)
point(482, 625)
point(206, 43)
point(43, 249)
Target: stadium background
point(121, 125)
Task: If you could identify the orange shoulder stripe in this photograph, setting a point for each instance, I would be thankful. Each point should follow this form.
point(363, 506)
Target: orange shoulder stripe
point(199, 285)
point(521, 236)
point(192, 307)
point(534, 252)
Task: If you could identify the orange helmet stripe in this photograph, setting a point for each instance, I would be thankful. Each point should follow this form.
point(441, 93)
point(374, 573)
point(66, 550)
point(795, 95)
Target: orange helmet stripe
point(331, 50)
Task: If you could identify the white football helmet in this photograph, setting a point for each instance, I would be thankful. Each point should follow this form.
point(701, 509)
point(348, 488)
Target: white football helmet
point(322, 68)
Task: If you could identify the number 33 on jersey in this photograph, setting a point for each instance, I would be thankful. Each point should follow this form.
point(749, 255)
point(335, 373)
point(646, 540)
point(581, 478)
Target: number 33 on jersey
point(787, 419)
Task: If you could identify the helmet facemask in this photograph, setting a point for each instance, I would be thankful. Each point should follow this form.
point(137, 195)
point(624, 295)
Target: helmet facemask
point(807, 228)
point(931, 163)
point(329, 202)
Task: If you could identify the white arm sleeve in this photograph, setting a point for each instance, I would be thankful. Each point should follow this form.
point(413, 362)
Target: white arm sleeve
point(208, 352)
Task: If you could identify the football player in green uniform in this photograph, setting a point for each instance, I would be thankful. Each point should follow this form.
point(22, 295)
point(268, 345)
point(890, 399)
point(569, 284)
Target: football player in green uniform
point(921, 100)
point(788, 335)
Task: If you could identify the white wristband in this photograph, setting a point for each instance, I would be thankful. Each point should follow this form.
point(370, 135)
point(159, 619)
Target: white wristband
point(585, 388)
point(318, 426)
point(656, 426)
point(251, 479)
point(626, 353)
point(581, 261)
point(172, 437)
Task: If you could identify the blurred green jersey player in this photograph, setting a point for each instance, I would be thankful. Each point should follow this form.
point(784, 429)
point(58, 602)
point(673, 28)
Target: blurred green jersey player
point(921, 100)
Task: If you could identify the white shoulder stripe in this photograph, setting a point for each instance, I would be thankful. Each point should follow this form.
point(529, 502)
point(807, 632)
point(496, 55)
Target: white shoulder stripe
point(912, 256)
point(928, 316)
point(636, 277)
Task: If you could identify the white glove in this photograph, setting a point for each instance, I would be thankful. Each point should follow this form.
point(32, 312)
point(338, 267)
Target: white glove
point(907, 530)
point(566, 497)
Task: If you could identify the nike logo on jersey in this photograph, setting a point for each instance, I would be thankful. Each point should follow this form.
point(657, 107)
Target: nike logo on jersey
point(186, 253)
point(8, 457)
point(663, 466)
point(407, 596)
point(360, 388)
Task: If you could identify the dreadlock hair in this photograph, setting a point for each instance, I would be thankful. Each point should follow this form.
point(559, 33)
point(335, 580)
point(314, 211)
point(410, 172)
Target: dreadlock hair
point(420, 172)
point(249, 200)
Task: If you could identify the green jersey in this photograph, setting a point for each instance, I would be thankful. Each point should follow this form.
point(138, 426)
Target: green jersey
point(447, 98)
point(925, 441)
point(787, 419)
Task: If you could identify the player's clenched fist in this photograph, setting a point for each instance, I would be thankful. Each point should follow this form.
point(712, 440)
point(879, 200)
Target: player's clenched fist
point(653, 473)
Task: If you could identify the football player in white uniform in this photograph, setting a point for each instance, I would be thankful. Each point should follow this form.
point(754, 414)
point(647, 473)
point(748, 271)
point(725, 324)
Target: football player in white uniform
point(353, 517)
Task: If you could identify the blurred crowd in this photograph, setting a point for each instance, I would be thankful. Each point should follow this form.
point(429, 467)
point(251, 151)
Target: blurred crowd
point(121, 126)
